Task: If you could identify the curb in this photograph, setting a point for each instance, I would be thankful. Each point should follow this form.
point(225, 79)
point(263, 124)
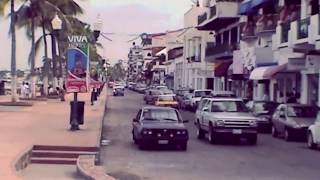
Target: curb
point(22, 160)
point(87, 168)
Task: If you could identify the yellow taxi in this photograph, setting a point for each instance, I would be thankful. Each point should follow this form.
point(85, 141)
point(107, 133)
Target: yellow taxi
point(168, 100)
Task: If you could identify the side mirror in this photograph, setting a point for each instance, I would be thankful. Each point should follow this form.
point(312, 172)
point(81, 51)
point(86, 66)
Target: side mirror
point(135, 120)
point(185, 121)
point(205, 109)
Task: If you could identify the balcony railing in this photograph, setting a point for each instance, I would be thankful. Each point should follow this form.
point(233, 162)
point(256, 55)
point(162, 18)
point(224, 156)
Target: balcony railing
point(213, 11)
point(248, 32)
point(220, 50)
point(267, 22)
point(303, 25)
point(202, 18)
point(285, 27)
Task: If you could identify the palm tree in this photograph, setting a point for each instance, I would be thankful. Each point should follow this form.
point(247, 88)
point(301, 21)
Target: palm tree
point(3, 3)
point(39, 13)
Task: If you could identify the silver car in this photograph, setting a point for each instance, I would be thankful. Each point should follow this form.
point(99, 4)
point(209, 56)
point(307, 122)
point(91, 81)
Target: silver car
point(292, 120)
point(220, 117)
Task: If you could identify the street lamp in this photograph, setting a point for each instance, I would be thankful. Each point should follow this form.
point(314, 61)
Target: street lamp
point(56, 27)
point(97, 27)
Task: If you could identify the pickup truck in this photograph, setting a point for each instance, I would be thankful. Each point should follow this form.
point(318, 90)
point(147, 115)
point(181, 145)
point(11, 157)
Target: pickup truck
point(220, 117)
point(197, 95)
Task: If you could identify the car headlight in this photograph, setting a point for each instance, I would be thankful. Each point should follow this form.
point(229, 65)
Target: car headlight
point(253, 123)
point(147, 132)
point(184, 132)
point(178, 132)
point(220, 123)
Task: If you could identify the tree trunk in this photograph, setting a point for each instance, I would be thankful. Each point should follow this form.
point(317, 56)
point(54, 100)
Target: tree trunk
point(13, 54)
point(54, 60)
point(32, 60)
point(46, 67)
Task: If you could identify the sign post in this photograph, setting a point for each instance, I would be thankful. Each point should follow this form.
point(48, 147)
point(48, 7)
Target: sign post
point(78, 75)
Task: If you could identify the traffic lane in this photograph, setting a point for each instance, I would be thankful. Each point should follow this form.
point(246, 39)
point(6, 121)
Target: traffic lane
point(271, 158)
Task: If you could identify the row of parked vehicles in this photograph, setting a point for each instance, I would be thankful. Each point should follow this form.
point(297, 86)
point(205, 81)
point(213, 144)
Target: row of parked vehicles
point(221, 114)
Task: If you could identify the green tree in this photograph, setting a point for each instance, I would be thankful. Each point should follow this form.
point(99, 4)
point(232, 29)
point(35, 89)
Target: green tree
point(3, 4)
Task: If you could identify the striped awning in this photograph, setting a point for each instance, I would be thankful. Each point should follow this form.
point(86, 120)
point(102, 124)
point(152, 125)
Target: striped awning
point(267, 72)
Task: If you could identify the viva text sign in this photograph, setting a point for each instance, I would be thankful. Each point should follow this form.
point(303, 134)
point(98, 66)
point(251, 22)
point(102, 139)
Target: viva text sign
point(78, 64)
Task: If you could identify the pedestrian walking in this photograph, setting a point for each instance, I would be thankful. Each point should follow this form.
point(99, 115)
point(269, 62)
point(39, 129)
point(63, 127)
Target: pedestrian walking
point(27, 89)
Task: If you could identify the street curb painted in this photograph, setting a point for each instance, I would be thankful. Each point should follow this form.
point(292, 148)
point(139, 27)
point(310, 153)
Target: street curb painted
point(22, 160)
point(87, 168)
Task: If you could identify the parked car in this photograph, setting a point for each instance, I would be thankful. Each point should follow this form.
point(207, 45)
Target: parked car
point(314, 133)
point(221, 117)
point(118, 91)
point(293, 120)
point(263, 110)
point(159, 125)
point(151, 96)
point(169, 100)
point(197, 95)
point(132, 86)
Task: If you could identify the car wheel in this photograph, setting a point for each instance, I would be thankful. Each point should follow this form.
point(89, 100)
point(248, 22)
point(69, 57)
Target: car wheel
point(142, 146)
point(274, 132)
point(211, 136)
point(253, 139)
point(287, 135)
point(184, 146)
point(311, 143)
point(200, 132)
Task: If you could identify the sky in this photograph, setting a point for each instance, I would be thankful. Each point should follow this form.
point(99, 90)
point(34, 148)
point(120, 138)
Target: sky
point(124, 18)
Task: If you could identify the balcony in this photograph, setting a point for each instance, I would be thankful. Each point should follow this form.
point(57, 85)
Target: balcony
point(314, 31)
point(219, 51)
point(248, 33)
point(219, 17)
point(267, 24)
point(299, 35)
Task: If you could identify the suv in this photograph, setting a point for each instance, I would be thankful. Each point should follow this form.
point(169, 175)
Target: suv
point(197, 95)
point(220, 117)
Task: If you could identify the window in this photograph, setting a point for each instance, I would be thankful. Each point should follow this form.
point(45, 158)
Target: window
point(167, 98)
point(307, 112)
point(218, 39)
point(202, 93)
point(160, 114)
point(202, 104)
point(228, 106)
point(139, 115)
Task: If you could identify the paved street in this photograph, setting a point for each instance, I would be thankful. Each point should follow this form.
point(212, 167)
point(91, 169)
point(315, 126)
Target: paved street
point(271, 159)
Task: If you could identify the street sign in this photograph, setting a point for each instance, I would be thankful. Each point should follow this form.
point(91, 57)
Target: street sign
point(78, 64)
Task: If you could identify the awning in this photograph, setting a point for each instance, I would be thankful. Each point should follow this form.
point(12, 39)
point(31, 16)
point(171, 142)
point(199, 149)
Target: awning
point(245, 7)
point(259, 3)
point(221, 68)
point(163, 51)
point(267, 72)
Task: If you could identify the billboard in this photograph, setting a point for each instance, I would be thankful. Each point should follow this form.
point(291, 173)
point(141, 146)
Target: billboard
point(78, 65)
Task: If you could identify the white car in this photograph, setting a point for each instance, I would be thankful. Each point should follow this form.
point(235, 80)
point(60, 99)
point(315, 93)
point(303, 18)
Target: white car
point(197, 95)
point(314, 134)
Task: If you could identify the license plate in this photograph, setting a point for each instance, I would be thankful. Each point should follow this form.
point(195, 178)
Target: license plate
point(237, 131)
point(163, 142)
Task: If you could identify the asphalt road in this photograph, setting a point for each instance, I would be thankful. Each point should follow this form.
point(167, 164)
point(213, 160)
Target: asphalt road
point(271, 159)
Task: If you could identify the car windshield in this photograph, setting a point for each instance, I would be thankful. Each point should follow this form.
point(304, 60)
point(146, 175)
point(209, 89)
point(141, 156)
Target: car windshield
point(160, 114)
point(264, 107)
point(302, 111)
point(167, 98)
point(202, 93)
point(228, 106)
point(166, 91)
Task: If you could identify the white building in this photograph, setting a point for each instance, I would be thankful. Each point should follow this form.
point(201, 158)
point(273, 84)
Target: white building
point(197, 73)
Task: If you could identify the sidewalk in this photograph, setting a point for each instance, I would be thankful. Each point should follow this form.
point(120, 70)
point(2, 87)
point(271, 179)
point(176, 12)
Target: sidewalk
point(46, 123)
